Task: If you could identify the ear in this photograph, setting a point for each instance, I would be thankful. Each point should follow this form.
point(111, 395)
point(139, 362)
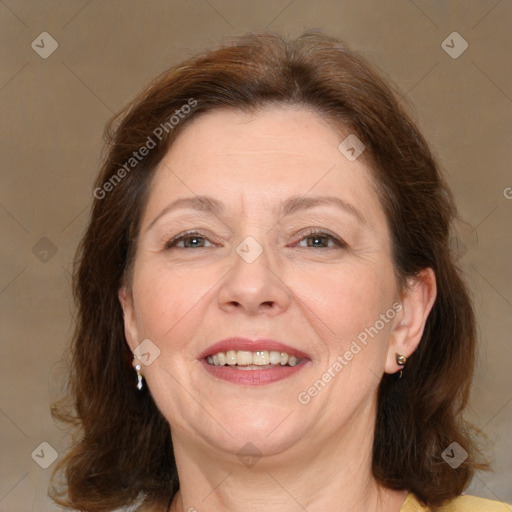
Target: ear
point(417, 302)
point(130, 327)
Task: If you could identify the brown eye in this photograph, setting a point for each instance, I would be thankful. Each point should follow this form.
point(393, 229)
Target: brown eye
point(318, 239)
point(190, 240)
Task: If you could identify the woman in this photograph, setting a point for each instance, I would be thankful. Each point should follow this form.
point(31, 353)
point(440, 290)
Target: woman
point(269, 316)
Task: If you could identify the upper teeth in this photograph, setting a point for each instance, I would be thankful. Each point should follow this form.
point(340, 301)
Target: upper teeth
point(246, 358)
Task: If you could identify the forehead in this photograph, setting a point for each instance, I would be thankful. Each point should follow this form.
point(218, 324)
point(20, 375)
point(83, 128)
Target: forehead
point(261, 157)
point(270, 132)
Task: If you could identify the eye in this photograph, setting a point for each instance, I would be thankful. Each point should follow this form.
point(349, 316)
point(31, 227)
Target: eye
point(194, 239)
point(321, 240)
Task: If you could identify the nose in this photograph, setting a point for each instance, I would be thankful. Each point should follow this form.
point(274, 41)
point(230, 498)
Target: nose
point(254, 287)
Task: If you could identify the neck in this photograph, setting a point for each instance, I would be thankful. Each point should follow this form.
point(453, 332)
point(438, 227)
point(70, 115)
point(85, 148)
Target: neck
point(311, 476)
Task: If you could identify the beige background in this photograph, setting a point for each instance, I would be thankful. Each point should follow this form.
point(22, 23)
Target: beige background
point(52, 116)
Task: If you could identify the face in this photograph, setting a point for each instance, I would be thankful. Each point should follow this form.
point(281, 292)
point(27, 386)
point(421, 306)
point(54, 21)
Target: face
point(263, 258)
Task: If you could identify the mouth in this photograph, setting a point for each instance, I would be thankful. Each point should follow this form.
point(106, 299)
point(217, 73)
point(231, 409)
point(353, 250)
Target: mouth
point(252, 362)
point(247, 360)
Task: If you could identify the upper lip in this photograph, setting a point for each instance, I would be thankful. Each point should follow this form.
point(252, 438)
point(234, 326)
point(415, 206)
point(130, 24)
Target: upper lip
point(239, 343)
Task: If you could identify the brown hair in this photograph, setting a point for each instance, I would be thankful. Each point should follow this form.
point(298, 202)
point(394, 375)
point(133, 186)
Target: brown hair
point(124, 449)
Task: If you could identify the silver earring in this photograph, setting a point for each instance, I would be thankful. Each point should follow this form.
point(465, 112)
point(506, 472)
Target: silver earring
point(400, 360)
point(139, 377)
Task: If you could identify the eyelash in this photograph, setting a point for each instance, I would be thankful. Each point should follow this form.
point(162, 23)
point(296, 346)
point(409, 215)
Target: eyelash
point(315, 233)
point(308, 234)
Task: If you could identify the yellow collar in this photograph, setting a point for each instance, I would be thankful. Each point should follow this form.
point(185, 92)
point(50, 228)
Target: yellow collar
point(413, 504)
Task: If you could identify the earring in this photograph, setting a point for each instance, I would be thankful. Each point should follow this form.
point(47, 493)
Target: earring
point(139, 377)
point(400, 360)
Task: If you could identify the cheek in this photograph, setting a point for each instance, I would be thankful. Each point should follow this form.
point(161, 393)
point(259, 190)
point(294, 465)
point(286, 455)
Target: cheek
point(347, 299)
point(165, 298)
point(344, 308)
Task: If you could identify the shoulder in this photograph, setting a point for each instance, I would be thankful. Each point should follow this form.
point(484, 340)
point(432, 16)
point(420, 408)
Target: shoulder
point(474, 504)
point(459, 504)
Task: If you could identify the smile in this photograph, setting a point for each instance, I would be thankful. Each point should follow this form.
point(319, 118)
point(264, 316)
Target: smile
point(253, 368)
point(247, 360)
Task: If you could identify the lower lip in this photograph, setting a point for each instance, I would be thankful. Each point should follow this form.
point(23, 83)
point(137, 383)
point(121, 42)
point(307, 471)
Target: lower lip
point(252, 377)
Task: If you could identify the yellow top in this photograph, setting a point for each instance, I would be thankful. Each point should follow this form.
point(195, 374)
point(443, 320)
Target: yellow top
point(413, 504)
point(459, 504)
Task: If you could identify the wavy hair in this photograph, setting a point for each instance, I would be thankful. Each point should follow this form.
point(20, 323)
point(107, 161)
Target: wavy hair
point(123, 448)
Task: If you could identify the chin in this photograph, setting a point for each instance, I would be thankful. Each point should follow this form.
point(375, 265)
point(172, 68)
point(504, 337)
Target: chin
point(260, 432)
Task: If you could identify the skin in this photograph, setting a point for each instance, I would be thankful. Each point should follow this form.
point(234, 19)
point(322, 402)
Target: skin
point(316, 298)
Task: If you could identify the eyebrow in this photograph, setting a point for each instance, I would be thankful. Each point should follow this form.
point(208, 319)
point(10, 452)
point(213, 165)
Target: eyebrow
point(288, 207)
point(199, 203)
point(298, 203)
